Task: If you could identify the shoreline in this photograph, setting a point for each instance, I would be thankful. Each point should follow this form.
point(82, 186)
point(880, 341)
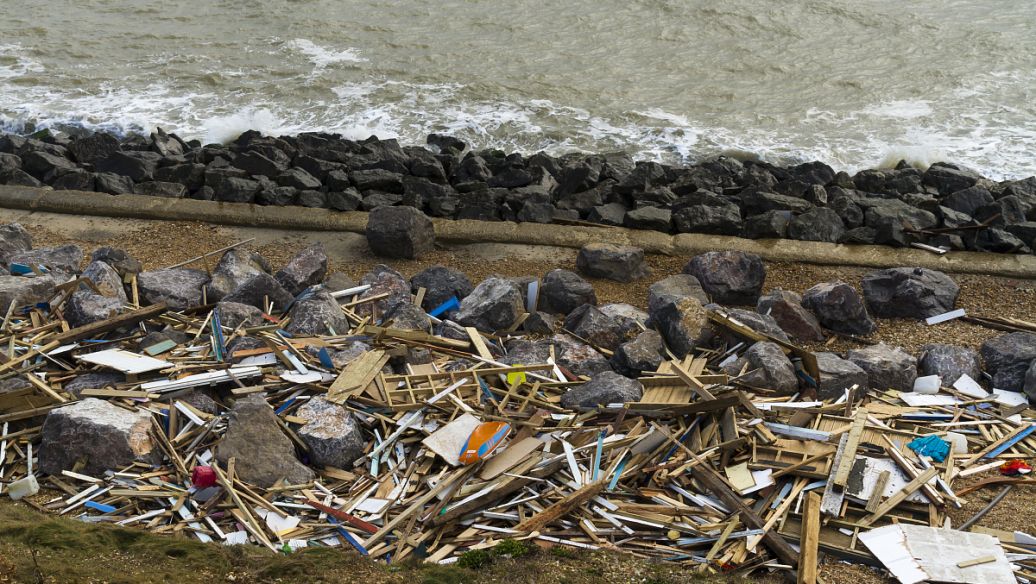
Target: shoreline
point(943, 206)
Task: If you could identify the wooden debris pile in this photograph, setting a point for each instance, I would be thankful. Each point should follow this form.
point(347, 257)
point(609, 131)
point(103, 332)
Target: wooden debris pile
point(703, 469)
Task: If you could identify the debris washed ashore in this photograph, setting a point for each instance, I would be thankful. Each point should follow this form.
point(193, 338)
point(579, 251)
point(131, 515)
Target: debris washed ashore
point(427, 418)
point(944, 207)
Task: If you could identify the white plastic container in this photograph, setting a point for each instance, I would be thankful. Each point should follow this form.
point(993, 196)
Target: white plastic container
point(23, 488)
point(958, 442)
point(929, 384)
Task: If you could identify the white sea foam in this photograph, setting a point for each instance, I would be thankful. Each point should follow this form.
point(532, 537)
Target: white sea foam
point(904, 109)
point(15, 63)
point(324, 57)
point(226, 128)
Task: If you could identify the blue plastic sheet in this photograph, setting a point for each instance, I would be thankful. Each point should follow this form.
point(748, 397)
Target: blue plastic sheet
point(932, 446)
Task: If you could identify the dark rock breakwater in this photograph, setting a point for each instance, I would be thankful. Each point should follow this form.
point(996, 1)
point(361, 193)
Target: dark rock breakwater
point(944, 205)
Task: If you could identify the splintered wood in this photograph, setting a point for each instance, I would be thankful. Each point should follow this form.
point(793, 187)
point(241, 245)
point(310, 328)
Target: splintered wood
point(701, 470)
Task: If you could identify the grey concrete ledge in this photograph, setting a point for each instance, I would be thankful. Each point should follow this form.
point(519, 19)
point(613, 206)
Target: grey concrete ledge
point(467, 231)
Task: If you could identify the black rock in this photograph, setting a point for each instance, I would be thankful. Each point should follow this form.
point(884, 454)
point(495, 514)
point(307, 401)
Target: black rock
point(495, 304)
point(948, 179)
point(154, 188)
point(639, 356)
point(299, 179)
point(306, 268)
point(257, 164)
point(96, 146)
point(75, 180)
point(999, 241)
point(818, 224)
point(605, 388)
point(916, 293)
point(1008, 358)
point(610, 214)
point(138, 166)
point(768, 225)
point(754, 202)
point(672, 288)
point(839, 307)
point(259, 290)
point(968, 200)
point(562, 291)
point(113, 184)
point(191, 176)
point(440, 284)
point(621, 263)
point(277, 196)
point(652, 218)
point(717, 219)
point(949, 362)
point(729, 277)
point(590, 324)
point(312, 199)
point(399, 232)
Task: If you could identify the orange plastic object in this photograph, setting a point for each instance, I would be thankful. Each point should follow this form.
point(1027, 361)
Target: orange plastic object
point(483, 440)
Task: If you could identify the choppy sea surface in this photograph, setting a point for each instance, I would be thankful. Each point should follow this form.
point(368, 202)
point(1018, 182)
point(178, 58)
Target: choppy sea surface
point(855, 83)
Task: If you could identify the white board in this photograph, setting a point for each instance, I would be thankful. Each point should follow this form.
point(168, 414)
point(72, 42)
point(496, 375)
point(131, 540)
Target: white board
point(448, 441)
point(125, 361)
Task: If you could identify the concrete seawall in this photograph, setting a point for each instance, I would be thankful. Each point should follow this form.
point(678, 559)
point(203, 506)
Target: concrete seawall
point(468, 232)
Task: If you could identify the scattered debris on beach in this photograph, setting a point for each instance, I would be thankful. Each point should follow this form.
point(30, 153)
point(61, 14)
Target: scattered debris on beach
point(430, 417)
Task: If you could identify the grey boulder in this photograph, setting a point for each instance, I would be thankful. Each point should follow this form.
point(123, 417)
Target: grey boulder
point(332, 433)
point(1008, 358)
point(440, 284)
point(22, 291)
point(839, 307)
point(605, 388)
point(949, 362)
point(683, 324)
point(106, 436)
point(236, 267)
point(589, 323)
point(399, 232)
point(495, 304)
point(672, 288)
point(729, 277)
point(179, 288)
point(235, 314)
point(264, 455)
point(909, 293)
point(562, 291)
point(259, 290)
point(621, 263)
point(768, 368)
point(304, 269)
point(837, 375)
point(317, 314)
point(641, 355)
point(13, 239)
point(785, 307)
point(887, 367)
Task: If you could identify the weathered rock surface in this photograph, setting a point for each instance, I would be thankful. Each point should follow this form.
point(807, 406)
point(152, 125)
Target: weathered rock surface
point(683, 324)
point(24, 291)
point(577, 357)
point(63, 260)
point(92, 380)
point(621, 263)
point(235, 314)
point(106, 279)
point(400, 232)
point(179, 288)
point(785, 307)
point(1008, 357)
point(383, 280)
point(605, 388)
point(1030, 382)
point(304, 269)
point(85, 307)
point(729, 277)
point(493, 305)
point(260, 290)
point(332, 433)
point(837, 375)
point(13, 239)
point(631, 319)
point(641, 355)
point(672, 288)
point(106, 436)
point(318, 314)
point(264, 454)
point(440, 283)
point(562, 291)
point(123, 263)
point(909, 293)
point(236, 267)
point(839, 307)
point(949, 362)
point(768, 368)
point(589, 323)
point(409, 317)
point(887, 367)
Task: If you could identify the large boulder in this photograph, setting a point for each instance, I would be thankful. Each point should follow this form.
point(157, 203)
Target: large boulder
point(391, 288)
point(785, 307)
point(85, 307)
point(264, 455)
point(576, 356)
point(589, 323)
point(332, 433)
point(63, 260)
point(179, 288)
point(1030, 382)
point(22, 291)
point(409, 317)
point(672, 288)
point(631, 319)
point(839, 307)
point(235, 314)
point(909, 293)
point(106, 436)
point(13, 239)
point(317, 314)
point(119, 259)
point(622, 263)
point(837, 375)
point(887, 367)
point(768, 368)
point(949, 362)
point(729, 277)
point(259, 290)
point(106, 279)
point(304, 269)
point(683, 323)
point(563, 291)
point(495, 304)
point(400, 232)
point(1008, 357)
point(817, 224)
point(605, 388)
point(641, 355)
point(440, 284)
point(236, 267)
